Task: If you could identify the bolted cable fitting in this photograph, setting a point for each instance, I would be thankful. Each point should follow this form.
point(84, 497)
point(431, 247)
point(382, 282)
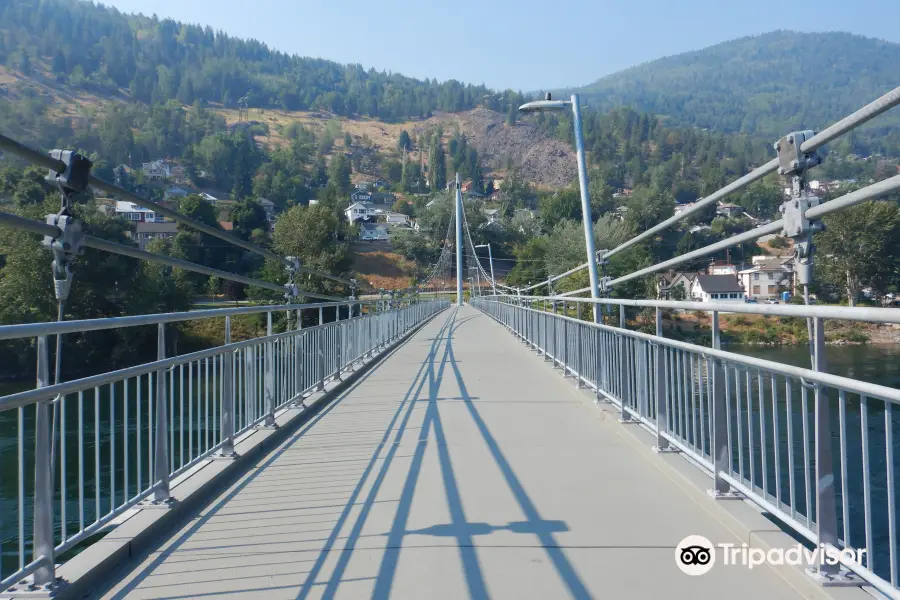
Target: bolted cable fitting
point(69, 244)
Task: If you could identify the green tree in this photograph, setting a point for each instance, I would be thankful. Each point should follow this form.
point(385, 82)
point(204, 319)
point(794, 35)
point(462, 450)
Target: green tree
point(860, 247)
point(339, 173)
point(404, 143)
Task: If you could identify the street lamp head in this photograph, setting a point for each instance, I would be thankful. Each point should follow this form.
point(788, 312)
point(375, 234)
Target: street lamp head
point(539, 105)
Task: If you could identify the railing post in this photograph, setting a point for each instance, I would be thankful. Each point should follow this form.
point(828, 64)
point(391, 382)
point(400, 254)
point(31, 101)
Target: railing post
point(45, 575)
point(320, 354)
point(826, 502)
point(719, 449)
point(624, 416)
point(579, 372)
point(269, 373)
point(298, 364)
point(161, 495)
point(662, 421)
point(339, 345)
point(227, 417)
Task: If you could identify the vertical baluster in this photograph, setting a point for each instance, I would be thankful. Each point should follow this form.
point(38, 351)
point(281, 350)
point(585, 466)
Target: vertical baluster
point(867, 480)
point(762, 435)
point(845, 496)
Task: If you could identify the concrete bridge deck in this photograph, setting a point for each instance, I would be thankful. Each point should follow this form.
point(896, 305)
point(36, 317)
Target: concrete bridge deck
point(462, 466)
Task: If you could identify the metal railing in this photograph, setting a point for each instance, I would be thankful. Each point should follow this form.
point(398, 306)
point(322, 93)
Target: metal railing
point(124, 435)
point(811, 448)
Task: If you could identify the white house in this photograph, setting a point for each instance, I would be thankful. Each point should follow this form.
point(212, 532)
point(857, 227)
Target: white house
point(359, 211)
point(132, 212)
point(766, 279)
point(156, 170)
point(209, 198)
point(313, 202)
point(719, 288)
point(375, 232)
point(145, 232)
point(393, 218)
point(361, 196)
point(723, 269)
point(668, 284)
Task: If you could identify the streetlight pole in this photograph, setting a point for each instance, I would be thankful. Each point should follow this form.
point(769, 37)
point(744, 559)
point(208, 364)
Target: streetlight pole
point(491, 262)
point(575, 103)
point(459, 209)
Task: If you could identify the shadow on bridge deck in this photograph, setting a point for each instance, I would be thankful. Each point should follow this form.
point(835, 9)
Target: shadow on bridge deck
point(460, 467)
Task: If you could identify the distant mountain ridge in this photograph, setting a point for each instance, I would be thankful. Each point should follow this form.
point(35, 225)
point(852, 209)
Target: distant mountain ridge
point(763, 85)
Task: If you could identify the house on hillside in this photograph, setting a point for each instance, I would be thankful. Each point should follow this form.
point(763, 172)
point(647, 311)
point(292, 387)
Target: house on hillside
point(374, 232)
point(718, 288)
point(134, 213)
point(360, 211)
point(493, 215)
point(721, 268)
point(146, 232)
point(361, 196)
point(674, 286)
point(724, 209)
point(767, 279)
point(175, 193)
point(156, 170)
point(363, 186)
point(383, 198)
point(268, 206)
point(394, 218)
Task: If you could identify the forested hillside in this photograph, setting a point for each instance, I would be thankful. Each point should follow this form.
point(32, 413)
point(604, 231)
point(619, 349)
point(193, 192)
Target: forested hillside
point(155, 60)
point(765, 85)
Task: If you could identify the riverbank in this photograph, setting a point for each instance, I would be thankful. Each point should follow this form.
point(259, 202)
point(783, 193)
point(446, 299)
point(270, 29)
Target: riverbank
point(763, 330)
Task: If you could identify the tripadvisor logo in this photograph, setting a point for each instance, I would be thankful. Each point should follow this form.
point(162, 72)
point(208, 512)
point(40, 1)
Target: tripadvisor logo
point(696, 555)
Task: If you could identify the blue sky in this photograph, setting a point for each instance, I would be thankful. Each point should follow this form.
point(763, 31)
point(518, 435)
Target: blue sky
point(525, 44)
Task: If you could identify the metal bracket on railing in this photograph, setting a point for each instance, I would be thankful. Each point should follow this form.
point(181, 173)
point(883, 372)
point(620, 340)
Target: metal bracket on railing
point(605, 285)
point(791, 159)
point(793, 163)
point(600, 257)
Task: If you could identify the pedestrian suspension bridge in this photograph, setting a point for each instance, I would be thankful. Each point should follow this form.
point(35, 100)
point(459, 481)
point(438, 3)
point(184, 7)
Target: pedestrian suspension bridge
point(442, 442)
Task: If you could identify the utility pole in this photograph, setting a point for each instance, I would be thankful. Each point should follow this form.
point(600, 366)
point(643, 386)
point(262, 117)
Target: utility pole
point(459, 209)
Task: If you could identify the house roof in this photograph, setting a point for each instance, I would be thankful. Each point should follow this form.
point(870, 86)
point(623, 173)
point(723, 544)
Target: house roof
point(226, 225)
point(372, 226)
point(358, 204)
point(144, 227)
point(719, 283)
point(265, 202)
point(125, 206)
point(776, 264)
point(491, 211)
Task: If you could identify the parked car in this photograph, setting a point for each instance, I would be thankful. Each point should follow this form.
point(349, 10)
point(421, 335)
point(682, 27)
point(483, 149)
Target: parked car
point(772, 301)
point(751, 301)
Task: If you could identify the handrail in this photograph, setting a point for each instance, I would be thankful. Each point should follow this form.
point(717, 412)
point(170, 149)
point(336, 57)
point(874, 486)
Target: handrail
point(28, 330)
point(847, 313)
